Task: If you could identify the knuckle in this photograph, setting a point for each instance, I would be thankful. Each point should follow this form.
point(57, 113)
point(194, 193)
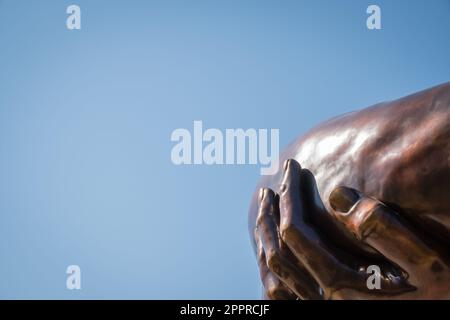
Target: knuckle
point(260, 253)
point(259, 220)
point(274, 258)
point(287, 231)
point(287, 190)
point(271, 293)
point(366, 218)
point(274, 290)
point(283, 188)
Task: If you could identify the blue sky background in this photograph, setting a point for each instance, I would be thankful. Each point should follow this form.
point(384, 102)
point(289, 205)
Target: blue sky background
point(86, 117)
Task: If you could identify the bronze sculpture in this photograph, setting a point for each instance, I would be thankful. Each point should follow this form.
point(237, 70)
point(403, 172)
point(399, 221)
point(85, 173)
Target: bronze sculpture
point(371, 187)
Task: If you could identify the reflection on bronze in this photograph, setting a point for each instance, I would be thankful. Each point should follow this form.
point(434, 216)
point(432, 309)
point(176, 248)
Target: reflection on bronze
point(370, 187)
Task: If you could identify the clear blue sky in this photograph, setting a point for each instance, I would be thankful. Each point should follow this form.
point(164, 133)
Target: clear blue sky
point(86, 116)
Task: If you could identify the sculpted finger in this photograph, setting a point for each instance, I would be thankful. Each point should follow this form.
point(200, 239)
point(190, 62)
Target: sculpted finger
point(300, 237)
point(386, 231)
point(273, 288)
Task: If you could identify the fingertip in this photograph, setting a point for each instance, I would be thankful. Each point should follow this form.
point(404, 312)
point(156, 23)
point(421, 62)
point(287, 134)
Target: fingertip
point(261, 194)
point(291, 174)
point(342, 199)
point(266, 196)
point(291, 164)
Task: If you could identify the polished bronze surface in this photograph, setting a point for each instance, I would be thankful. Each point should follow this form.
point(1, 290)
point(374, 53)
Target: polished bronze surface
point(370, 187)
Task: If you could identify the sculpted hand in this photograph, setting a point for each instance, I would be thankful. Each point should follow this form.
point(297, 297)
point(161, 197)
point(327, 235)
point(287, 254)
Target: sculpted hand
point(296, 258)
